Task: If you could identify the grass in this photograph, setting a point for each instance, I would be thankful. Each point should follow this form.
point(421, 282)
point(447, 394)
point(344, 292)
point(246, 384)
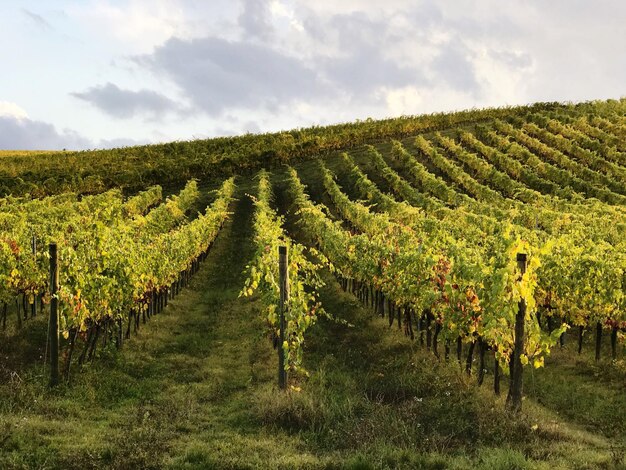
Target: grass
point(25, 153)
point(196, 389)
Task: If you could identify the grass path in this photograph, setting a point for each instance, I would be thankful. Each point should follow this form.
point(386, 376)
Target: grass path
point(196, 389)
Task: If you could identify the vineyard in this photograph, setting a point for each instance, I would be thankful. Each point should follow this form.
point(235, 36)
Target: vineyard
point(479, 251)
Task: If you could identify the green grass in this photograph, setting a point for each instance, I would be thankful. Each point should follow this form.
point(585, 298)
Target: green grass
point(196, 389)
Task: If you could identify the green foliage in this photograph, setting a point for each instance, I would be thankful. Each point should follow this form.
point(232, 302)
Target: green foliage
point(176, 162)
point(473, 289)
point(196, 390)
point(303, 307)
point(111, 257)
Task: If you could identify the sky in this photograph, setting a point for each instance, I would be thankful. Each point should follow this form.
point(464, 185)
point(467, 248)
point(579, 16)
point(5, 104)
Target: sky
point(81, 74)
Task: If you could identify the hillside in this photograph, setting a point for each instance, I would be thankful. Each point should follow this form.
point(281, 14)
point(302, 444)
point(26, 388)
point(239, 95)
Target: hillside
point(174, 163)
point(456, 297)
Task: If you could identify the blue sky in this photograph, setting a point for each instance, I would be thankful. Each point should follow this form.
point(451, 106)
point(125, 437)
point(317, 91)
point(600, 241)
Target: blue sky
point(103, 73)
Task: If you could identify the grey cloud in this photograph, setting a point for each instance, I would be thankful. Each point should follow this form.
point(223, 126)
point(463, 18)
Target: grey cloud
point(426, 15)
point(501, 27)
point(238, 129)
point(366, 69)
point(255, 19)
point(37, 19)
point(217, 74)
point(27, 134)
point(453, 65)
point(251, 127)
point(366, 40)
point(120, 103)
point(342, 58)
point(363, 66)
point(512, 59)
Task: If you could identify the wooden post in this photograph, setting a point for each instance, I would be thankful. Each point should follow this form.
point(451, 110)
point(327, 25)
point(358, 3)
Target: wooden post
point(54, 315)
point(581, 332)
point(496, 376)
point(482, 348)
point(470, 357)
point(598, 340)
point(514, 398)
point(283, 269)
point(33, 307)
point(19, 317)
point(428, 329)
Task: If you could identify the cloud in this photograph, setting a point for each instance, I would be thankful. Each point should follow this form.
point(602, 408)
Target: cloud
point(514, 59)
point(27, 134)
point(216, 74)
point(19, 132)
point(255, 19)
point(38, 20)
point(12, 110)
point(219, 75)
point(121, 142)
point(286, 63)
point(287, 54)
point(120, 103)
point(362, 64)
point(454, 65)
point(366, 69)
point(138, 24)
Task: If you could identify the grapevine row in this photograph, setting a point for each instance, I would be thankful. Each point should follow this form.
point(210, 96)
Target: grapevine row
point(303, 306)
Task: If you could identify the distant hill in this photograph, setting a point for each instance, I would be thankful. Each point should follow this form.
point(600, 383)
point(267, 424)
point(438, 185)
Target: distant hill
point(134, 168)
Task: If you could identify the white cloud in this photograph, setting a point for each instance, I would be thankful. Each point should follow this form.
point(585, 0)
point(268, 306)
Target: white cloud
point(505, 75)
point(376, 7)
point(403, 101)
point(139, 24)
point(12, 110)
point(281, 11)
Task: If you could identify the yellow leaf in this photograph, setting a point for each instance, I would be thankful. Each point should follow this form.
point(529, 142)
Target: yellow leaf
point(523, 359)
